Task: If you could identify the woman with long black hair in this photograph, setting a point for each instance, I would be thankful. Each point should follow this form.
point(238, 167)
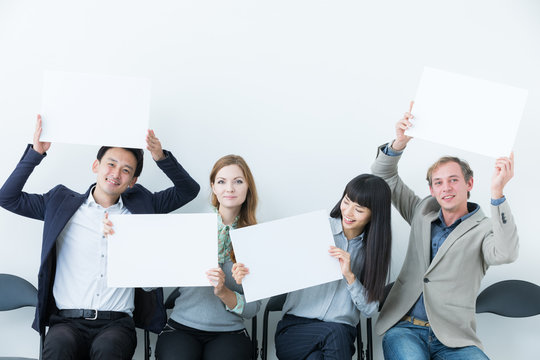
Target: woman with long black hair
point(320, 322)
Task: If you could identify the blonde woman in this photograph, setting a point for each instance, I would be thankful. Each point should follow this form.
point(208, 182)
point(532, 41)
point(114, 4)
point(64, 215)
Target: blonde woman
point(208, 322)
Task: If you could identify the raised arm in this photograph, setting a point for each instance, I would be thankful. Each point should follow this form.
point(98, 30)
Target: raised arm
point(501, 245)
point(386, 166)
point(185, 187)
point(12, 197)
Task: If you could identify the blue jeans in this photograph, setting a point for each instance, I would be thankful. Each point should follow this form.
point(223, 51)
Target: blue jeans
point(406, 341)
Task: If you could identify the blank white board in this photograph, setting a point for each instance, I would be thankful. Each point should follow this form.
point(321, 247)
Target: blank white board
point(286, 255)
point(95, 109)
point(161, 250)
point(467, 113)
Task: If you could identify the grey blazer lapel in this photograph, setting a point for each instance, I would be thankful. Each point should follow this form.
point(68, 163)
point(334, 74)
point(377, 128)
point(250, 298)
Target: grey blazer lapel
point(457, 233)
point(426, 237)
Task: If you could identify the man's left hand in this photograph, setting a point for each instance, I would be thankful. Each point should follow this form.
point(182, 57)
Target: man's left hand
point(504, 171)
point(154, 146)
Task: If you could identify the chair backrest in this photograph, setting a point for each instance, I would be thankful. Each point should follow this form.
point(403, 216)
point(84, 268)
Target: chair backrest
point(275, 303)
point(510, 298)
point(16, 292)
point(169, 304)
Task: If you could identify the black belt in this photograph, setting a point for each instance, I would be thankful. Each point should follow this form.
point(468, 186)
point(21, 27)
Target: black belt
point(91, 314)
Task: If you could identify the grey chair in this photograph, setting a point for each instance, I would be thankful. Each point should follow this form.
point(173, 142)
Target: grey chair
point(15, 293)
point(169, 304)
point(510, 298)
point(276, 304)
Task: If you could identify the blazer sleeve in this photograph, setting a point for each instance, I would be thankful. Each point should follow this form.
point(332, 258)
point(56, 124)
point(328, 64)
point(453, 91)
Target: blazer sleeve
point(501, 245)
point(184, 190)
point(13, 199)
point(403, 198)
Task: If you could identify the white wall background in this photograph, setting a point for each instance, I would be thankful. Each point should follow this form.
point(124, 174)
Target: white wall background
point(304, 90)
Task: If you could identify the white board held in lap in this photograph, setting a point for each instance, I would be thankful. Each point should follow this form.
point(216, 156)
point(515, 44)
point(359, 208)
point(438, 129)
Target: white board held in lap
point(463, 112)
point(161, 250)
point(95, 109)
point(286, 255)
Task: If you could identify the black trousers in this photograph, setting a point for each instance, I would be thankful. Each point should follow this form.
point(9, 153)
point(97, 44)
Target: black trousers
point(90, 339)
point(299, 338)
point(180, 342)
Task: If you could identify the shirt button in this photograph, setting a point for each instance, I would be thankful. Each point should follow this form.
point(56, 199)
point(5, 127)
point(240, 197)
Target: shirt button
point(97, 294)
point(102, 255)
point(426, 280)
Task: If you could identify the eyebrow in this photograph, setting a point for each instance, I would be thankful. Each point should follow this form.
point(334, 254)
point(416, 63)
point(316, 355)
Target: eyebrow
point(357, 204)
point(221, 177)
point(451, 176)
point(116, 161)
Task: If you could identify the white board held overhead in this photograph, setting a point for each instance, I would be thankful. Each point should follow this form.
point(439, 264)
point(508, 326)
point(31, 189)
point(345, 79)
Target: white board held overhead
point(94, 109)
point(467, 113)
point(286, 255)
point(161, 250)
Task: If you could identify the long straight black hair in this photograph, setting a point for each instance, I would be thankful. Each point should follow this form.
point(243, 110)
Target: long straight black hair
point(374, 193)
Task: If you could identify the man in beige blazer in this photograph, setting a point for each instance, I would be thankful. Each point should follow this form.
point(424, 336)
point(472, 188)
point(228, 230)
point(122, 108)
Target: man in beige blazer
point(430, 311)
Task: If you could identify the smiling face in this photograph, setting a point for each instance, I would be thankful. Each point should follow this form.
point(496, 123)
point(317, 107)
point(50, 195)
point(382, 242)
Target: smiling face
point(230, 187)
point(449, 188)
point(115, 173)
point(354, 217)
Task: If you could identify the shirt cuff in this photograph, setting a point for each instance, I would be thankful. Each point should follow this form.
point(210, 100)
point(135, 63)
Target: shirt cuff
point(359, 297)
point(497, 202)
point(240, 302)
point(391, 152)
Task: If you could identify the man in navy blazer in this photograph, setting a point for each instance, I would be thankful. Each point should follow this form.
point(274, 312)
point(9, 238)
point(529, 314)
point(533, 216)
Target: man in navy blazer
point(85, 318)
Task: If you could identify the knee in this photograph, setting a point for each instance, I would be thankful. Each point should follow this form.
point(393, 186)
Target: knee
point(60, 345)
point(112, 348)
point(165, 347)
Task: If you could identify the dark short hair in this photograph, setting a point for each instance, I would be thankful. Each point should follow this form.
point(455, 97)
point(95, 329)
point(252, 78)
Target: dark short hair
point(138, 153)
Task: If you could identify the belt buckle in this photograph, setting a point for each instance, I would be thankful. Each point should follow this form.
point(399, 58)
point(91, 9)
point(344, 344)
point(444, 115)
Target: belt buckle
point(95, 315)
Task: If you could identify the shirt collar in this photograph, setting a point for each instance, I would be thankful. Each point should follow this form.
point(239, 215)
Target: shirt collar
point(90, 201)
point(471, 207)
point(337, 228)
point(221, 225)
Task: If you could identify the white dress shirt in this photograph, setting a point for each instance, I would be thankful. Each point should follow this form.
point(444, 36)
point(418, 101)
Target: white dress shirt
point(81, 268)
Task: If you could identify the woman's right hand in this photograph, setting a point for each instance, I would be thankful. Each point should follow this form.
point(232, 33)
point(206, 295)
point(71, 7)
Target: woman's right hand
point(40, 146)
point(239, 271)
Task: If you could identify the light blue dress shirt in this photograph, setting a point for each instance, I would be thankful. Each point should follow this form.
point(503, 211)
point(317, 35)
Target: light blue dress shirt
point(336, 301)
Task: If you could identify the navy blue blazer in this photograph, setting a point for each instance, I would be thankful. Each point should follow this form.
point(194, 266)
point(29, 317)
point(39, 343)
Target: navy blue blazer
point(58, 205)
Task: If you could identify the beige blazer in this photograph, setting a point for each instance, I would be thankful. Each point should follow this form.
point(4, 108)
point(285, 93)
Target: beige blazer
point(451, 281)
